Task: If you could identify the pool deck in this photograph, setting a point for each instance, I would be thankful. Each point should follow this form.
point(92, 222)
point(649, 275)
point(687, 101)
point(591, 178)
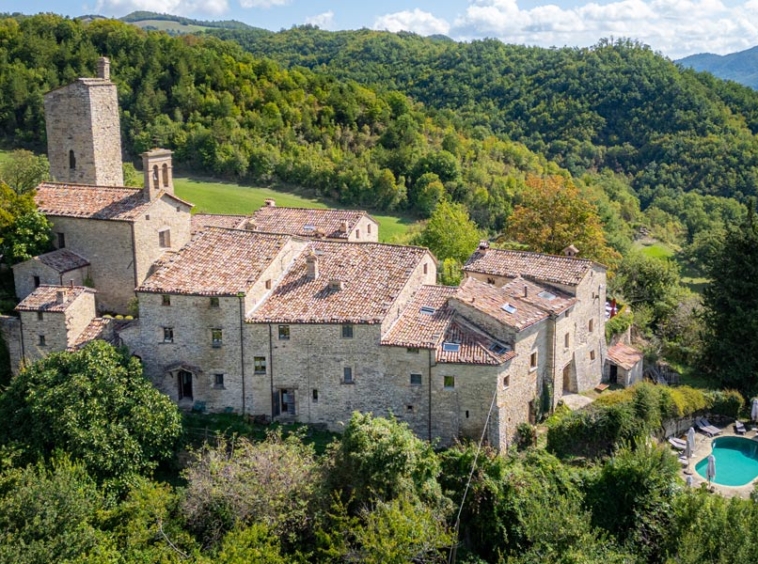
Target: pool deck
point(703, 449)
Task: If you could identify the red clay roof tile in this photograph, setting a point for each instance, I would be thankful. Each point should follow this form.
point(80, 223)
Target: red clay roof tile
point(536, 266)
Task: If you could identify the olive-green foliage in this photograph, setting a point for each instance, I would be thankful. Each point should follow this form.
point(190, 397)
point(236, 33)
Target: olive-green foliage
point(5, 365)
point(726, 402)
point(23, 170)
point(95, 405)
point(250, 545)
point(50, 515)
point(450, 233)
point(24, 232)
point(682, 400)
point(381, 459)
point(527, 435)
point(619, 323)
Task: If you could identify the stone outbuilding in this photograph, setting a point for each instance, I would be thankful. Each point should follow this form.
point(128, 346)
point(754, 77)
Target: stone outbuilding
point(624, 365)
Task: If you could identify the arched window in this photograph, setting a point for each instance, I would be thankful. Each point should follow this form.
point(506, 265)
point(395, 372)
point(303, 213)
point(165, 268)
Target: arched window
point(155, 176)
point(165, 175)
point(71, 160)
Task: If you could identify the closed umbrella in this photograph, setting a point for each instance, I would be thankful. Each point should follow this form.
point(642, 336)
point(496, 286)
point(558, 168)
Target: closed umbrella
point(754, 410)
point(691, 440)
point(687, 455)
point(710, 471)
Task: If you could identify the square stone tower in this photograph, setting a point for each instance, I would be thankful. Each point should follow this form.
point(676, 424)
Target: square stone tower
point(83, 131)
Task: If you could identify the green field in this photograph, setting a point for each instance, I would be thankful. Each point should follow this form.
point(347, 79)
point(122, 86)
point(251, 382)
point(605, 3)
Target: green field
point(657, 250)
point(690, 277)
point(225, 197)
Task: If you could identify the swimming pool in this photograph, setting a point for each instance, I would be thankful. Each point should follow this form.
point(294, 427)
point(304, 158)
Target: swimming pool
point(736, 461)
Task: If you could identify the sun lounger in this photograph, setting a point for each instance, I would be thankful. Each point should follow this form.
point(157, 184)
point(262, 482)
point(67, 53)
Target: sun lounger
point(704, 426)
point(678, 444)
point(739, 428)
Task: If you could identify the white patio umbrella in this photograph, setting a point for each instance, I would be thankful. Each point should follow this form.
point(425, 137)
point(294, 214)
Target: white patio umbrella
point(710, 471)
point(754, 410)
point(691, 440)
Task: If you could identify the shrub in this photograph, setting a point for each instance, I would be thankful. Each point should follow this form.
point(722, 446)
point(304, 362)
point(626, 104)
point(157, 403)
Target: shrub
point(726, 402)
point(527, 436)
point(619, 323)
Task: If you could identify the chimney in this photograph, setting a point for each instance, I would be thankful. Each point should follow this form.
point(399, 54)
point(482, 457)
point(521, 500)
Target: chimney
point(335, 284)
point(270, 202)
point(71, 283)
point(60, 296)
point(343, 226)
point(311, 262)
point(158, 171)
point(104, 68)
point(483, 246)
point(571, 251)
point(250, 225)
point(526, 291)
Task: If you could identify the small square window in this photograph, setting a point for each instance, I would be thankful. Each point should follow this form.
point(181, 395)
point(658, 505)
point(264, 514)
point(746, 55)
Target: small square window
point(215, 302)
point(40, 316)
point(259, 363)
point(37, 281)
point(347, 375)
point(415, 379)
point(218, 380)
point(409, 408)
point(41, 341)
point(284, 332)
point(217, 337)
point(592, 355)
point(506, 381)
point(168, 334)
point(491, 281)
point(449, 382)
point(164, 238)
point(347, 331)
point(165, 300)
point(61, 240)
point(412, 350)
point(533, 360)
point(566, 340)
point(314, 395)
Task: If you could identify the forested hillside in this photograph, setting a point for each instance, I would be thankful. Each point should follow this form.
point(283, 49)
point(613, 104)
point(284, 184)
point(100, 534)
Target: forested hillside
point(617, 105)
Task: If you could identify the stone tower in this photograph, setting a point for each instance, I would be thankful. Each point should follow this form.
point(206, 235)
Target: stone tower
point(159, 174)
point(83, 131)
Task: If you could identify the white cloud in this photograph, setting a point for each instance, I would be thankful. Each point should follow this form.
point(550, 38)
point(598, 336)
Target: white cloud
point(674, 27)
point(324, 21)
point(175, 7)
point(416, 21)
point(263, 3)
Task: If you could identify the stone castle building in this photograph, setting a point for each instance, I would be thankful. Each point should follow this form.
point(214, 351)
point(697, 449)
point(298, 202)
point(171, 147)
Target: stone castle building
point(292, 314)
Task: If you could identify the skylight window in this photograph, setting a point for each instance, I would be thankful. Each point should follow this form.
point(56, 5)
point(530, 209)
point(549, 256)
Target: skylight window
point(427, 310)
point(545, 295)
point(497, 348)
point(309, 227)
point(508, 308)
point(451, 347)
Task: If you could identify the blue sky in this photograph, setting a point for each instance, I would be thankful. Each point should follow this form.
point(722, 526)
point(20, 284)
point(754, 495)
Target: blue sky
point(674, 27)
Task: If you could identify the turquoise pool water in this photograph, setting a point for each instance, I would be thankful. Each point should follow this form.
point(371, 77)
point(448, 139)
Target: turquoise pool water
point(736, 461)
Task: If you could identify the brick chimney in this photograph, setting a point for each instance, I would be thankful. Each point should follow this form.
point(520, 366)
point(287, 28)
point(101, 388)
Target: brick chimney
point(483, 246)
point(343, 226)
point(571, 251)
point(336, 284)
point(311, 262)
point(250, 225)
point(526, 291)
point(61, 296)
point(158, 171)
point(104, 68)
point(270, 202)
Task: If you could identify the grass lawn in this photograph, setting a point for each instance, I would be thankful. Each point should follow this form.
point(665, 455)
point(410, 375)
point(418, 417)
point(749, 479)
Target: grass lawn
point(656, 249)
point(691, 278)
point(210, 196)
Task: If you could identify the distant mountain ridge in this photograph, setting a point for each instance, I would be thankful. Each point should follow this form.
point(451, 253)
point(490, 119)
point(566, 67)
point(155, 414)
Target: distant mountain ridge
point(740, 67)
point(175, 25)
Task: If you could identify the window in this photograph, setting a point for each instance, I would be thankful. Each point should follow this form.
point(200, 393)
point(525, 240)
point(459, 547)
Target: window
point(506, 381)
point(357, 233)
point(164, 238)
point(168, 334)
point(165, 300)
point(412, 350)
point(426, 268)
point(61, 240)
point(415, 379)
point(215, 302)
point(347, 375)
point(37, 281)
point(268, 284)
point(41, 341)
point(259, 362)
point(491, 281)
point(217, 338)
point(409, 408)
point(368, 229)
point(566, 340)
point(449, 382)
point(467, 414)
point(426, 310)
point(314, 395)
point(40, 316)
point(533, 360)
point(155, 176)
point(71, 160)
point(508, 308)
point(284, 332)
point(591, 326)
point(592, 355)
point(497, 348)
point(347, 331)
point(218, 381)
point(165, 175)
point(287, 399)
point(451, 347)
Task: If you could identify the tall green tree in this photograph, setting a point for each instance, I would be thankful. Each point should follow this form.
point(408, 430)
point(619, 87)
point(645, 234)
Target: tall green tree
point(23, 170)
point(730, 303)
point(449, 233)
point(24, 232)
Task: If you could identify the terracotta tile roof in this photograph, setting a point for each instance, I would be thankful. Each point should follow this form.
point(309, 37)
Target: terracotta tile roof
point(99, 328)
point(491, 300)
point(93, 202)
point(549, 300)
point(372, 274)
point(624, 356)
point(62, 260)
point(416, 329)
point(217, 262)
point(45, 297)
point(306, 222)
point(442, 327)
point(465, 343)
point(536, 266)
point(202, 220)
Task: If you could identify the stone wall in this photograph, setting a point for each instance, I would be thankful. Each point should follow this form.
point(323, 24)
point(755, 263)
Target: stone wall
point(366, 230)
point(108, 246)
point(24, 273)
point(82, 118)
point(424, 273)
point(10, 330)
point(590, 306)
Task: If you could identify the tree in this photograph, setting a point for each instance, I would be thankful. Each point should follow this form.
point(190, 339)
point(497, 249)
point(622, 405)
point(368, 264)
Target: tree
point(551, 215)
point(24, 232)
point(23, 170)
point(95, 405)
point(730, 304)
point(449, 233)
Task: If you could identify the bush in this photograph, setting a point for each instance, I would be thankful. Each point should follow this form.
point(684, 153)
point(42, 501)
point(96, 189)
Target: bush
point(527, 436)
point(727, 402)
point(618, 324)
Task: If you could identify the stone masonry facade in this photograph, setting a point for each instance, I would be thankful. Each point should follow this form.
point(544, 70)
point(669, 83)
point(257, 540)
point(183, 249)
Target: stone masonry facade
point(290, 314)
